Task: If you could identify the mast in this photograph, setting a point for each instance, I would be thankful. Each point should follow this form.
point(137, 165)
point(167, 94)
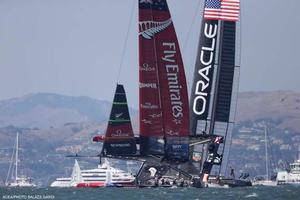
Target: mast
point(213, 97)
point(266, 149)
point(17, 154)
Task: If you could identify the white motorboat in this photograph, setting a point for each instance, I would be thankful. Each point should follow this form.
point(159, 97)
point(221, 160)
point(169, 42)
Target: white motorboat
point(291, 176)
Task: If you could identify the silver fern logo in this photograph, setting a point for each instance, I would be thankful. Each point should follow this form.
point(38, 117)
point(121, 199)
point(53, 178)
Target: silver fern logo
point(149, 28)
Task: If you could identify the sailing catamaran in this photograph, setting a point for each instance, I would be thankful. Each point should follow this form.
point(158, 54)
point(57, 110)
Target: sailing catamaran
point(215, 86)
point(17, 181)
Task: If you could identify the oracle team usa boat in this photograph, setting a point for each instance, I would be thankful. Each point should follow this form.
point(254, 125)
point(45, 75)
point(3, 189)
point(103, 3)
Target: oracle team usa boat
point(215, 86)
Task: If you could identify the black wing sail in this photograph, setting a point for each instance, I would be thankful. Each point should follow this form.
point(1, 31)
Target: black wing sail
point(119, 138)
point(214, 91)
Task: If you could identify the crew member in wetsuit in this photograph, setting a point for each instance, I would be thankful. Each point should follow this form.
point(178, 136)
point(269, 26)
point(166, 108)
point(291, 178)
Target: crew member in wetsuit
point(232, 172)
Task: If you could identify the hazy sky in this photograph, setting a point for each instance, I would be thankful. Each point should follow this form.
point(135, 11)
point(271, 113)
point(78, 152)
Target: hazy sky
point(74, 47)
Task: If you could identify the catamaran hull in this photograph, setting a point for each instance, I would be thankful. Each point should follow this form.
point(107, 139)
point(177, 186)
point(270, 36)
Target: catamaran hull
point(228, 183)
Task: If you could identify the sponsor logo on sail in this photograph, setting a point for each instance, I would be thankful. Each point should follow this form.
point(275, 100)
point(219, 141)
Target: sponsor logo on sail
point(148, 105)
point(176, 146)
point(118, 115)
point(156, 115)
point(119, 133)
point(172, 133)
point(201, 90)
point(120, 145)
point(148, 29)
point(177, 121)
point(148, 85)
point(146, 121)
point(147, 68)
point(172, 71)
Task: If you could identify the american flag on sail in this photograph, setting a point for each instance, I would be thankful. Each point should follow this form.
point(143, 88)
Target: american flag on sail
point(227, 10)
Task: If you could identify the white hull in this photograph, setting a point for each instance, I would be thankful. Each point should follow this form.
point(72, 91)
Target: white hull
point(214, 185)
point(104, 175)
point(21, 185)
point(291, 177)
point(21, 182)
point(265, 183)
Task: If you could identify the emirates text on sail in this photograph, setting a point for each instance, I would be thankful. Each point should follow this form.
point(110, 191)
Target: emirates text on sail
point(172, 70)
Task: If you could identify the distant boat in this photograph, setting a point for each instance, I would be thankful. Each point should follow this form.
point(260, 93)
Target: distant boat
point(17, 181)
point(102, 176)
point(291, 177)
point(267, 181)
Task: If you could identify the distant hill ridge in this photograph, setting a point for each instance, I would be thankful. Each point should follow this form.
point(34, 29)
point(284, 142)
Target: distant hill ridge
point(282, 106)
point(44, 110)
point(47, 109)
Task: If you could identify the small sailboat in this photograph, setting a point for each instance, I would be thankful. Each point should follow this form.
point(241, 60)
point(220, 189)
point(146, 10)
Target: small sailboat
point(267, 181)
point(17, 181)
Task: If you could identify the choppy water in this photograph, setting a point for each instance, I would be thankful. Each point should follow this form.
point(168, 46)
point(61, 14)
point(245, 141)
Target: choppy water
point(268, 193)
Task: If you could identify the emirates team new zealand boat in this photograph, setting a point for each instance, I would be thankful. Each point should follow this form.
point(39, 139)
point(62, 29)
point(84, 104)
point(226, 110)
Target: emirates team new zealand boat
point(163, 107)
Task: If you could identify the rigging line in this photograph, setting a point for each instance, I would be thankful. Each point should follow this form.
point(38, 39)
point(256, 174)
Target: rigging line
point(223, 150)
point(10, 165)
point(271, 153)
point(126, 41)
point(189, 33)
point(191, 27)
point(157, 76)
